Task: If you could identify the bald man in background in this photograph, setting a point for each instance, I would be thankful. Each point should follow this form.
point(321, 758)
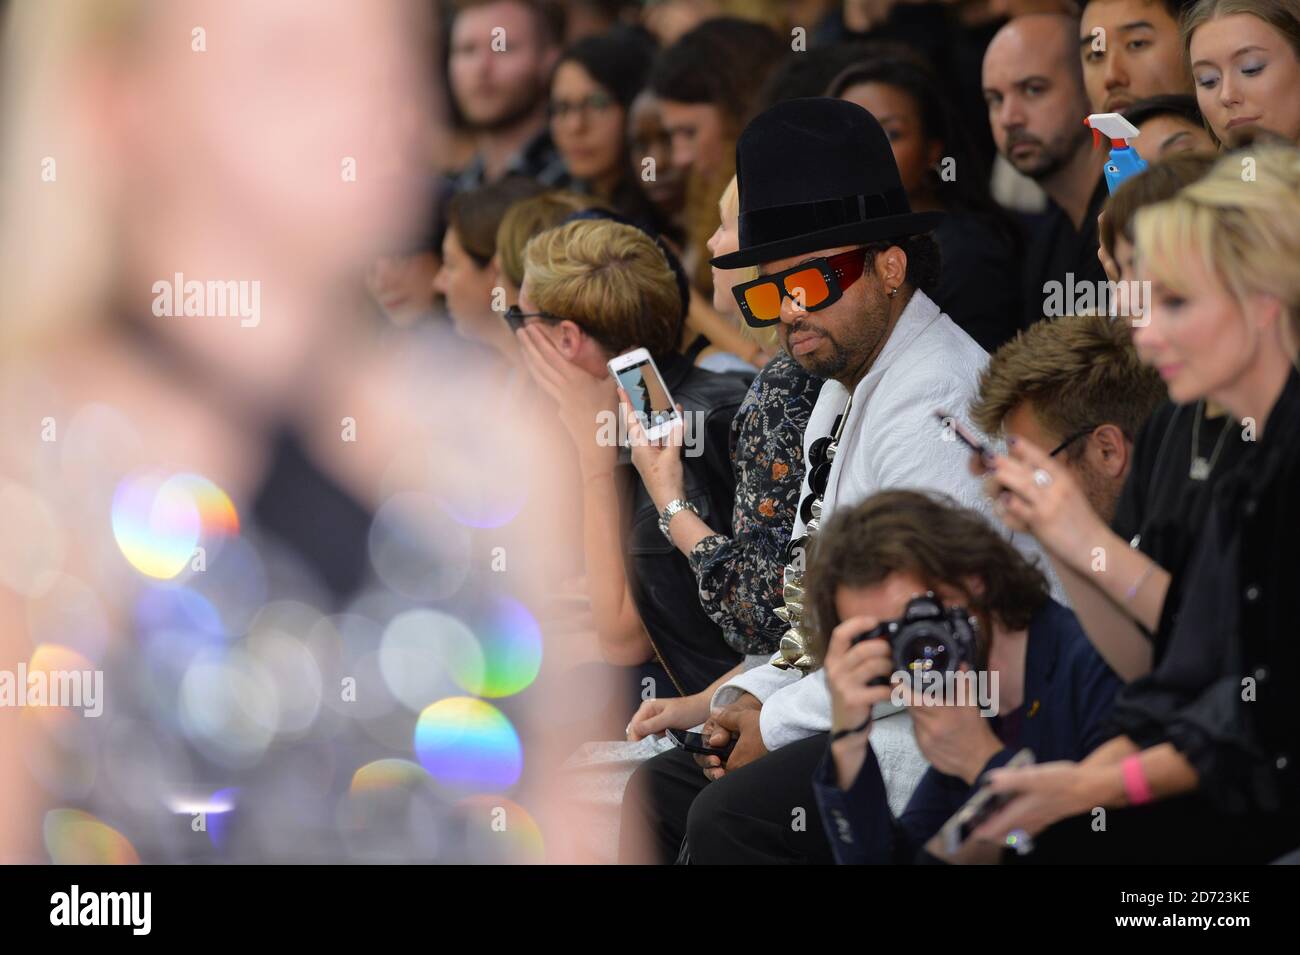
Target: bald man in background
point(1034, 90)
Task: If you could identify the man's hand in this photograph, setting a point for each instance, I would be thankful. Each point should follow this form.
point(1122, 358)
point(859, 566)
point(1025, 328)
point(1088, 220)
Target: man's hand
point(579, 396)
point(849, 668)
point(722, 725)
point(956, 740)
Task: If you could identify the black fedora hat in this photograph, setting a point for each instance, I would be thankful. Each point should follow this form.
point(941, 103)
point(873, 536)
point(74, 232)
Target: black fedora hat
point(813, 174)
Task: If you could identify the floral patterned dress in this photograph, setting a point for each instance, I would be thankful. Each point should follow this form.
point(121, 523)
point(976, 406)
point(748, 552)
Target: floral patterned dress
point(740, 576)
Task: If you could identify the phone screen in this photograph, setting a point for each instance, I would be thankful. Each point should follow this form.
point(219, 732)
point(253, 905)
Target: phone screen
point(648, 395)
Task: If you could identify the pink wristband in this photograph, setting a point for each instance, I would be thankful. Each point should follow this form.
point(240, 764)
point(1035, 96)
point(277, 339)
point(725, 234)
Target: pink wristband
point(1136, 787)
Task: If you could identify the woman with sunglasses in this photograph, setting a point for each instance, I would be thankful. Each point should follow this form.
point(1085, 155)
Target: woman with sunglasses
point(1202, 766)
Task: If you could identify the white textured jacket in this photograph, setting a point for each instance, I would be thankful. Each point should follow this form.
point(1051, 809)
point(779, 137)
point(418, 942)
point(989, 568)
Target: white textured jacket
point(892, 440)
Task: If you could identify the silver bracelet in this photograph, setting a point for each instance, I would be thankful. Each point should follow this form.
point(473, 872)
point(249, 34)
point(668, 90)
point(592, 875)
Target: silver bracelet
point(672, 510)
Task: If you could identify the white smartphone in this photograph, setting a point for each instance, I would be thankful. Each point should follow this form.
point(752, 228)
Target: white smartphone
point(637, 374)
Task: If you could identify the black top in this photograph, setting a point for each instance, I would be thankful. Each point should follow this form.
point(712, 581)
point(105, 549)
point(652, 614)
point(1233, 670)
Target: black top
point(980, 286)
point(316, 518)
point(691, 647)
point(1226, 692)
point(1068, 692)
point(1162, 508)
point(1054, 251)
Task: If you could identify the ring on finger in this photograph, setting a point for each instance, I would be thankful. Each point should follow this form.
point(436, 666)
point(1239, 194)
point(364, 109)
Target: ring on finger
point(1041, 477)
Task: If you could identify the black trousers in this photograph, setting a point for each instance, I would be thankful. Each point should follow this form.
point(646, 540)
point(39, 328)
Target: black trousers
point(761, 814)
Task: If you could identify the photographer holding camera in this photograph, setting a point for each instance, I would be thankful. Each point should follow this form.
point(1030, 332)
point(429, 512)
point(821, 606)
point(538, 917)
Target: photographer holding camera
point(883, 582)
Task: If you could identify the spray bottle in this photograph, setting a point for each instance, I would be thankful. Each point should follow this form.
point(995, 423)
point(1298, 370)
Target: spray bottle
point(1124, 159)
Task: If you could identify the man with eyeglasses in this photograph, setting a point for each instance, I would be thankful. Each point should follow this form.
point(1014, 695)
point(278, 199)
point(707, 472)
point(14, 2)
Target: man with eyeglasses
point(1073, 385)
point(843, 263)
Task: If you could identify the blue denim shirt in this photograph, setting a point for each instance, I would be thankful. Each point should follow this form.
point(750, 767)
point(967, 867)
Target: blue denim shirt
point(1068, 693)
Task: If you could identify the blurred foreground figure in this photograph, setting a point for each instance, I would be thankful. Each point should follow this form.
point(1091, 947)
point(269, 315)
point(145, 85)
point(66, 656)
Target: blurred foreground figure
point(286, 543)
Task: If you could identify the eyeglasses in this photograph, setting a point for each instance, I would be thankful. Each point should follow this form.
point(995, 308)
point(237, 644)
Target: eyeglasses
point(595, 103)
point(1071, 439)
point(812, 285)
point(515, 317)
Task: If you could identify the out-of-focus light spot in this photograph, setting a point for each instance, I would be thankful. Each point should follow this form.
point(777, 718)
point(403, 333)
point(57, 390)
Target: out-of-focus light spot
point(501, 831)
point(346, 649)
point(156, 524)
point(218, 818)
point(229, 707)
point(73, 837)
point(468, 744)
point(384, 774)
point(32, 545)
point(235, 582)
point(208, 813)
point(512, 647)
point(417, 550)
point(58, 672)
point(426, 655)
point(217, 514)
point(159, 522)
point(296, 676)
point(165, 610)
point(485, 504)
point(221, 801)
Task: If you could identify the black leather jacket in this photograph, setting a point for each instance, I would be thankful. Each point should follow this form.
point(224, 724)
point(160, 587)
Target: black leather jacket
point(689, 644)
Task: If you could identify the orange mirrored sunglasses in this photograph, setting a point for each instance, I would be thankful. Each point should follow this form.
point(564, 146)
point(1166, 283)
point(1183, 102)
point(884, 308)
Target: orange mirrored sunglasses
point(811, 285)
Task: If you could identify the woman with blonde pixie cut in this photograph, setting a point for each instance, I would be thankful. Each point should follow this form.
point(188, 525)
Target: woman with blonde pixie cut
point(1203, 766)
point(594, 289)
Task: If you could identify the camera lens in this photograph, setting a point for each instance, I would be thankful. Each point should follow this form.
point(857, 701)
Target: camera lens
point(923, 646)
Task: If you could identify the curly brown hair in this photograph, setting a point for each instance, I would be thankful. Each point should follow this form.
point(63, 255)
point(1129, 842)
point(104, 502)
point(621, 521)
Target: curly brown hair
point(926, 534)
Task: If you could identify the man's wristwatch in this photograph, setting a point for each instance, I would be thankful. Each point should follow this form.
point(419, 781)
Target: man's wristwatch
point(669, 512)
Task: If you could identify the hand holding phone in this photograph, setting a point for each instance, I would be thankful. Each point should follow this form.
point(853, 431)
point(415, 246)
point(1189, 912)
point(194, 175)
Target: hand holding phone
point(647, 394)
point(698, 743)
point(979, 809)
point(965, 436)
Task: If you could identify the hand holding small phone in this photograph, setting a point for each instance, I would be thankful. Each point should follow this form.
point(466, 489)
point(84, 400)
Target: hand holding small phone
point(983, 453)
point(698, 743)
point(979, 809)
point(645, 392)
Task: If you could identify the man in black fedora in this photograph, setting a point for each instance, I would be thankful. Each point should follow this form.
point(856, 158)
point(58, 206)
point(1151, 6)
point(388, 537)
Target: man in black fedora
point(843, 267)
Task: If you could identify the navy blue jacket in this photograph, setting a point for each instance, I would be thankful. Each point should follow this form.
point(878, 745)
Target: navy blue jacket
point(1068, 694)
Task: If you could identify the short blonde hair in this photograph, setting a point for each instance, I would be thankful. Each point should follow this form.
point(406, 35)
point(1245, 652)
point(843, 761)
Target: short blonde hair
point(526, 218)
point(729, 207)
point(611, 279)
point(1244, 229)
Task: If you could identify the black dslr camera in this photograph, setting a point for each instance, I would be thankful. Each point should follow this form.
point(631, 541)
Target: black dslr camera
point(929, 636)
